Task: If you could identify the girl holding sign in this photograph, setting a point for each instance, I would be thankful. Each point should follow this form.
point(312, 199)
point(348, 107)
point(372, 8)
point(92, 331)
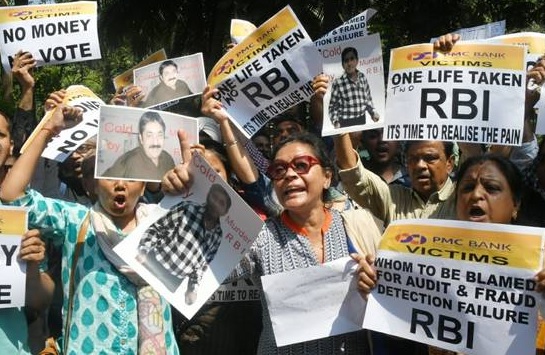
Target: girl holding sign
point(113, 310)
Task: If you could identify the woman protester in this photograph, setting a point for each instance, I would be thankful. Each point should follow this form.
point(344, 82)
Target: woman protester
point(306, 234)
point(110, 310)
point(489, 190)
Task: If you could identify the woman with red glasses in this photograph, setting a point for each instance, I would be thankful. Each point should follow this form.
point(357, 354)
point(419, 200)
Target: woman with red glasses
point(307, 233)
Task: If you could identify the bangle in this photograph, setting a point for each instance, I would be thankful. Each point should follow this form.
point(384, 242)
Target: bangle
point(233, 143)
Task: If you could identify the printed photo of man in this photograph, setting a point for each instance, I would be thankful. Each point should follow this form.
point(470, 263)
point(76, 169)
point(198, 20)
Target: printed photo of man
point(148, 161)
point(182, 243)
point(350, 94)
point(170, 86)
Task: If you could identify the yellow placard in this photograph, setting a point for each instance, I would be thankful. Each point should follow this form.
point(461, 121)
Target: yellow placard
point(481, 55)
point(126, 78)
point(13, 220)
point(479, 245)
point(12, 14)
point(265, 35)
point(535, 42)
point(72, 92)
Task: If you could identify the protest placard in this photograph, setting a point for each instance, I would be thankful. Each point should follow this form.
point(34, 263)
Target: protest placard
point(126, 78)
point(191, 243)
point(535, 47)
point(474, 93)
point(315, 302)
point(237, 291)
point(462, 286)
point(62, 145)
point(354, 101)
point(267, 73)
point(13, 222)
point(240, 29)
point(488, 30)
point(166, 82)
point(53, 33)
point(533, 42)
point(140, 144)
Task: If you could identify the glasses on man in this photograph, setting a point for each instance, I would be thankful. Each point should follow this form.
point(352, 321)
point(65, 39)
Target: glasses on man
point(301, 165)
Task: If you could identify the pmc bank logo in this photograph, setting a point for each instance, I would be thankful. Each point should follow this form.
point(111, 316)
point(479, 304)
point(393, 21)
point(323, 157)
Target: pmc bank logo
point(416, 56)
point(414, 239)
point(20, 13)
point(224, 67)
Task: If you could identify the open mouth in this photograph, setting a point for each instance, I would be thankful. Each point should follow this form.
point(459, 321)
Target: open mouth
point(120, 201)
point(476, 213)
point(293, 190)
point(383, 148)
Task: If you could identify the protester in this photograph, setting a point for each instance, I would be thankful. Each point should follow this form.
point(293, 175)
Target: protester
point(262, 143)
point(287, 124)
point(306, 234)
point(39, 285)
point(106, 290)
point(489, 190)
point(14, 335)
point(384, 157)
point(532, 209)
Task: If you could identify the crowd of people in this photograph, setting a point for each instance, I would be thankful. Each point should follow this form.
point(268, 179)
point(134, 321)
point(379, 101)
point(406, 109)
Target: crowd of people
point(321, 199)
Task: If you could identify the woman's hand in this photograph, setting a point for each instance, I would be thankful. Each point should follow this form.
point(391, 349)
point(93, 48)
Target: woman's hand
point(32, 247)
point(212, 107)
point(367, 277)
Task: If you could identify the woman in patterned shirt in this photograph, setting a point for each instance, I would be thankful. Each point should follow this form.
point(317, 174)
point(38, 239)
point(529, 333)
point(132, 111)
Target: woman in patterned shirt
point(113, 310)
point(306, 234)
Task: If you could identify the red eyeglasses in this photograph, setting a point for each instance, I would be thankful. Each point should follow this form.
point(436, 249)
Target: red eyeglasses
point(301, 165)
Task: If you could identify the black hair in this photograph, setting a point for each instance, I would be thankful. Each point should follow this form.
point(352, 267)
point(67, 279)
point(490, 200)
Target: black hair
point(150, 116)
point(317, 145)
point(318, 148)
point(448, 147)
point(165, 64)
point(221, 154)
point(8, 121)
point(348, 50)
point(506, 167)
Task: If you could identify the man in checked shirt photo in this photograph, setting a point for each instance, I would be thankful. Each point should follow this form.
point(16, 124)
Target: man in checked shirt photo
point(351, 94)
point(184, 241)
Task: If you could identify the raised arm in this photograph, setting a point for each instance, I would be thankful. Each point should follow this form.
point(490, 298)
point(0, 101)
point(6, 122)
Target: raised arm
point(242, 164)
point(24, 120)
point(23, 65)
point(20, 175)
